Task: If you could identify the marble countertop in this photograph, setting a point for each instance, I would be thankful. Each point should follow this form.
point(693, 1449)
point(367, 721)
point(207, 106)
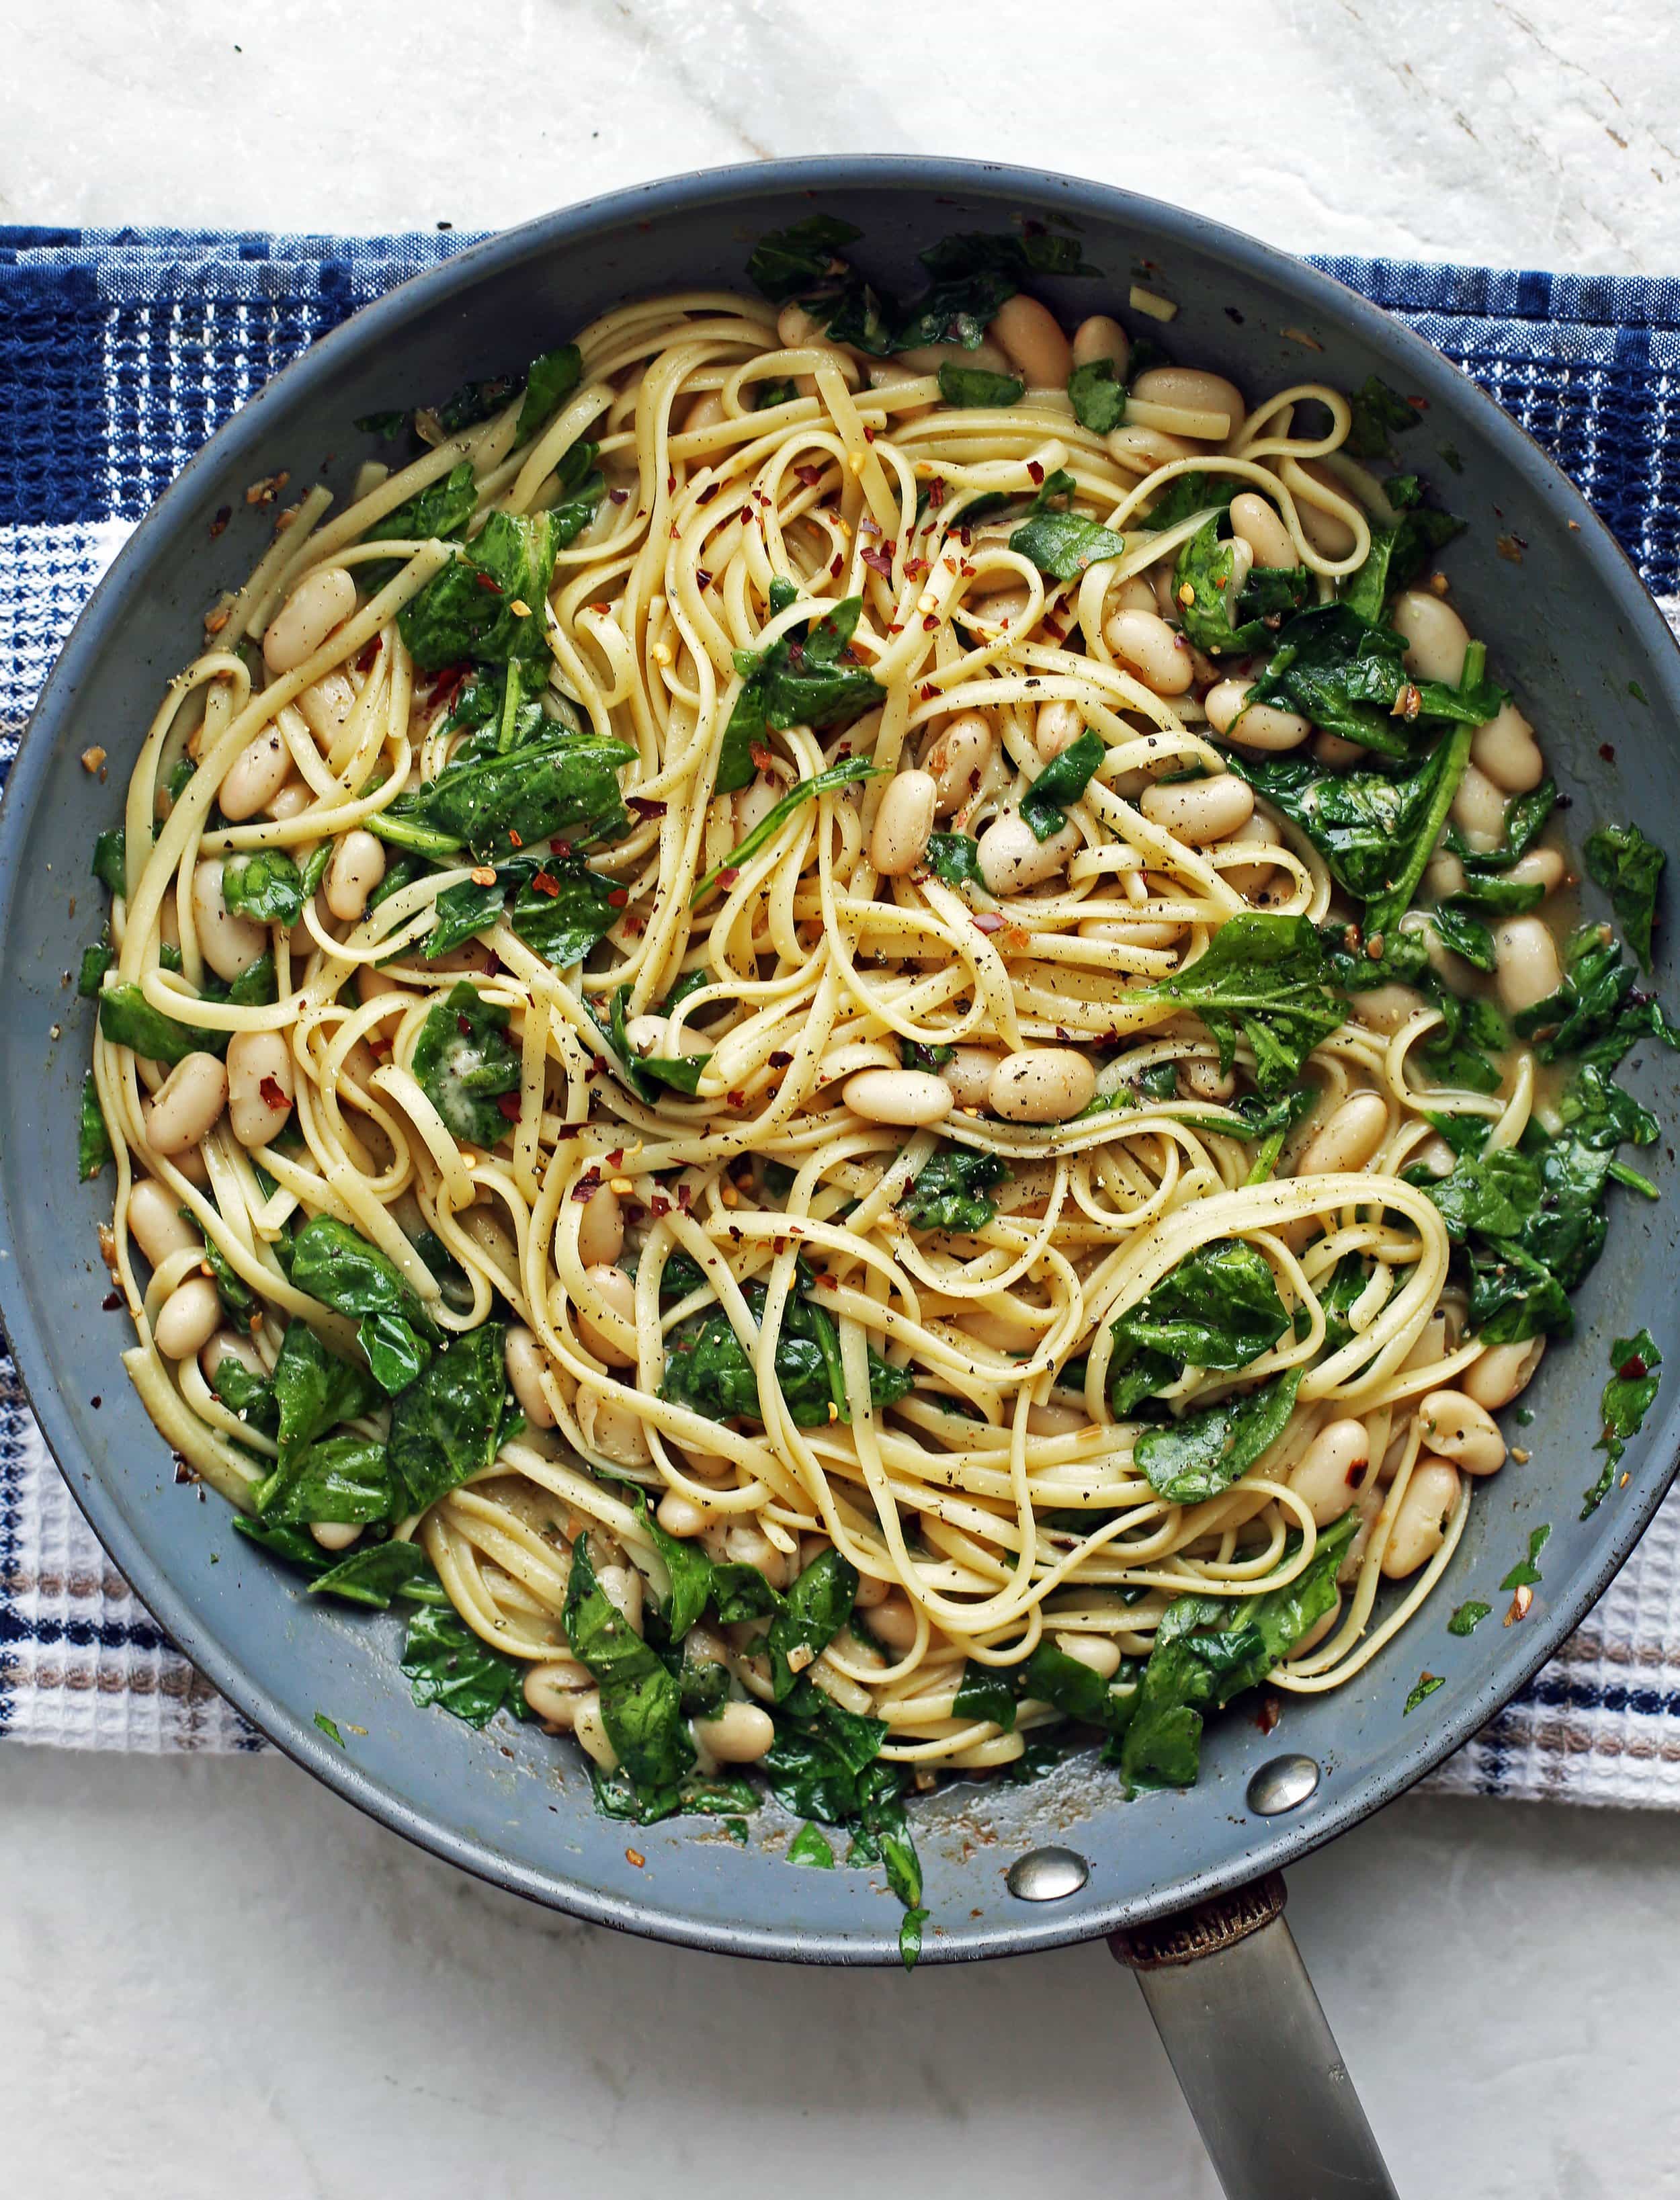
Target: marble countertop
point(214, 1976)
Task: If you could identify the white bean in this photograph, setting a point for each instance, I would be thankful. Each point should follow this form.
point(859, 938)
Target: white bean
point(601, 1229)
point(1042, 1085)
point(893, 1621)
point(1012, 857)
point(1254, 520)
point(1334, 753)
point(1200, 811)
point(906, 1097)
point(1032, 338)
point(1502, 1372)
point(1146, 645)
point(228, 1344)
point(622, 1587)
point(554, 1690)
point(590, 1727)
point(969, 1074)
point(1256, 725)
point(334, 1534)
point(260, 1085)
point(754, 803)
point(1385, 1009)
point(654, 1035)
point(1478, 809)
point(256, 777)
point(1527, 966)
point(1192, 390)
point(612, 1427)
point(1544, 867)
point(1141, 450)
point(1250, 878)
point(1418, 1527)
point(618, 1293)
point(229, 943)
point(1348, 1138)
point(1100, 1653)
point(523, 1359)
point(1460, 1430)
point(1436, 636)
point(1057, 727)
point(957, 758)
point(188, 1105)
point(357, 867)
point(1332, 1468)
point(1102, 336)
point(929, 359)
point(904, 823)
point(326, 705)
point(321, 600)
point(155, 1221)
point(679, 1515)
point(188, 1319)
point(1200, 1078)
point(748, 1545)
point(740, 1734)
point(704, 411)
point(1505, 749)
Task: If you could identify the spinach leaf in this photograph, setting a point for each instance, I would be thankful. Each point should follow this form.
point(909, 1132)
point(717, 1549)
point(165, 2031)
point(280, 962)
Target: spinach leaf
point(645, 1072)
point(975, 272)
point(445, 1663)
point(1599, 1012)
point(1526, 1573)
point(379, 1572)
point(1378, 412)
point(1189, 1460)
point(331, 1262)
point(845, 772)
point(1525, 816)
point(808, 1847)
point(797, 262)
point(1628, 866)
point(95, 962)
point(818, 1606)
point(708, 1370)
point(1218, 1308)
point(1062, 780)
point(551, 377)
point(1397, 557)
point(343, 1478)
point(977, 385)
point(564, 907)
point(93, 1143)
point(313, 1391)
point(1262, 978)
point(561, 783)
point(1219, 618)
point(1350, 678)
point(1464, 935)
point(955, 857)
point(948, 1192)
point(1050, 1677)
point(1185, 496)
point(439, 511)
point(490, 602)
point(250, 1396)
point(1468, 1617)
point(111, 862)
point(1098, 395)
point(825, 1764)
point(127, 1018)
point(265, 885)
point(985, 1692)
point(1629, 1395)
point(640, 1700)
point(465, 1067)
point(1492, 893)
point(295, 1545)
point(447, 1424)
point(1062, 543)
point(1209, 1649)
point(809, 680)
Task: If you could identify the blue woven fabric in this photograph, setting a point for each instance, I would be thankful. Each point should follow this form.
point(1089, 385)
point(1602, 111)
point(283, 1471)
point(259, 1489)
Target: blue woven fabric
point(121, 351)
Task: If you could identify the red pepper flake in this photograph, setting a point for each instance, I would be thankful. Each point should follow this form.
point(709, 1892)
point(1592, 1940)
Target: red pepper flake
point(779, 1059)
point(837, 568)
point(868, 435)
point(546, 883)
point(1630, 1370)
point(808, 477)
point(762, 755)
point(1269, 1712)
point(926, 692)
point(659, 1207)
point(878, 561)
point(702, 578)
point(1606, 750)
point(587, 1186)
point(619, 496)
point(936, 492)
point(619, 897)
point(513, 835)
point(931, 622)
point(1056, 633)
point(1035, 472)
point(827, 1282)
point(217, 525)
point(367, 654)
point(737, 1099)
point(708, 491)
point(727, 875)
point(492, 969)
point(274, 1095)
point(448, 684)
point(670, 481)
point(989, 920)
point(563, 850)
point(685, 1193)
point(645, 806)
point(463, 1025)
point(916, 569)
point(488, 582)
point(508, 1103)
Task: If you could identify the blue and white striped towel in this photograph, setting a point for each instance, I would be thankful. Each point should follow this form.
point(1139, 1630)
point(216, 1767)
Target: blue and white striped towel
point(121, 351)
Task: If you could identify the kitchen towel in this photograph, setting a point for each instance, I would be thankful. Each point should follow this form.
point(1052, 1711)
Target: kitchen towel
point(121, 351)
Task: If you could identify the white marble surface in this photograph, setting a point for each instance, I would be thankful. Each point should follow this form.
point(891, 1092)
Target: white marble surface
point(215, 1978)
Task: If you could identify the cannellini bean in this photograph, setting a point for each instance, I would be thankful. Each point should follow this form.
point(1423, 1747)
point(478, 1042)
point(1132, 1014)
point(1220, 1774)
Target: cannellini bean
point(601, 1229)
point(749, 1546)
point(679, 1515)
point(187, 1107)
point(229, 943)
point(554, 1690)
point(1193, 391)
point(1478, 809)
point(1250, 878)
point(590, 1727)
point(1436, 636)
point(155, 1222)
point(1146, 645)
point(1100, 1653)
point(1527, 969)
point(1201, 1079)
point(893, 1621)
point(259, 1085)
point(326, 705)
point(1502, 1372)
point(654, 1035)
point(188, 1319)
point(334, 1534)
point(1032, 341)
point(622, 1586)
point(523, 1358)
point(228, 1344)
point(1348, 1138)
point(1444, 875)
point(902, 1096)
point(1332, 1469)
point(1458, 1429)
point(1255, 520)
point(1385, 1009)
point(1042, 1085)
point(929, 359)
point(1505, 749)
point(1057, 727)
point(1199, 811)
point(1256, 725)
point(1102, 336)
point(1334, 753)
point(704, 411)
point(740, 1734)
point(1436, 1155)
point(612, 1427)
point(321, 600)
point(969, 1074)
point(1054, 1420)
point(957, 759)
point(795, 326)
point(256, 777)
point(1141, 450)
point(904, 823)
point(357, 867)
point(1418, 1527)
point(1012, 857)
point(754, 803)
point(617, 1292)
point(1544, 867)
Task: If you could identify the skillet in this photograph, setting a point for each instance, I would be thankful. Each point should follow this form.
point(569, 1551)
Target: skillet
point(1571, 629)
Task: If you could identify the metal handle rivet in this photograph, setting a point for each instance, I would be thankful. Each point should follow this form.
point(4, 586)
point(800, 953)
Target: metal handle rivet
point(1047, 1875)
point(1283, 1783)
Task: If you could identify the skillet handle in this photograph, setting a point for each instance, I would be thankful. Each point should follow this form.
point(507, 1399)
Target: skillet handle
point(1251, 2048)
